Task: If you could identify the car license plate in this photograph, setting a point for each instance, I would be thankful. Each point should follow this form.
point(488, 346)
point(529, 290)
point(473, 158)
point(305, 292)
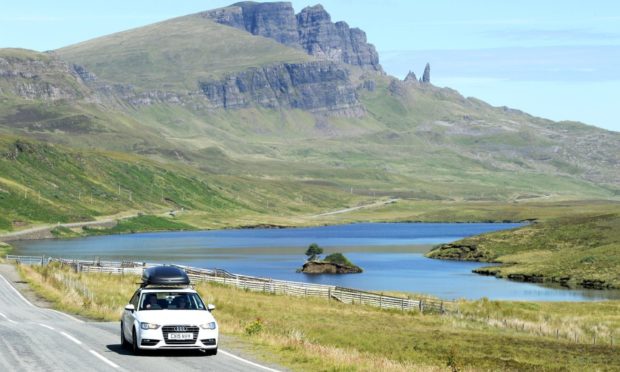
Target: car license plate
point(180, 336)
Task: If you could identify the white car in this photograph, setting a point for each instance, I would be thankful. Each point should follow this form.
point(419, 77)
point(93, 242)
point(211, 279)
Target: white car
point(166, 313)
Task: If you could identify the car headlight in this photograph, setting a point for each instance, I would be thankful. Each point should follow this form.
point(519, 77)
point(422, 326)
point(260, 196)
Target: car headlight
point(145, 325)
point(211, 325)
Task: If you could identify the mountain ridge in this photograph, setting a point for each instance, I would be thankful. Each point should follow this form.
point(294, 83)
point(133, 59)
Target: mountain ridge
point(311, 29)
point(243, 115)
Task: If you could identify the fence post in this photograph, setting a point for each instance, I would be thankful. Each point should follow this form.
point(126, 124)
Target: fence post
point(381, 302)
point(402, 304)
point(329, 294)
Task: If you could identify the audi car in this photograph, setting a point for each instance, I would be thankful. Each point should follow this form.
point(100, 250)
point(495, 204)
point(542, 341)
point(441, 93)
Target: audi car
point(167, 313)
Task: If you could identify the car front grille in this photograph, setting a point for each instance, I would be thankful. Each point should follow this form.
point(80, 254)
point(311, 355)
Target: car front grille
point(180, 329)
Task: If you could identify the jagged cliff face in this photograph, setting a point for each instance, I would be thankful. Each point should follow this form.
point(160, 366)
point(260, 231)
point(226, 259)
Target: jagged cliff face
point(311, 29)
point(335, 41)
point(273, 20)
point(320, 86)
point(32, 75)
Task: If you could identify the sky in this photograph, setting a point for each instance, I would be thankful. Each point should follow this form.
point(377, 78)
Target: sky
point(558, 59)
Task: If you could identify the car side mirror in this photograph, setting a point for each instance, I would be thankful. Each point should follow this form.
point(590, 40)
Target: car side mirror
point(130, 308)
point(210, 307)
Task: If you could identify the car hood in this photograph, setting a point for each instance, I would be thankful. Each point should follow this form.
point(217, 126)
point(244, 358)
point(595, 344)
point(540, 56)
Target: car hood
point(168, 317)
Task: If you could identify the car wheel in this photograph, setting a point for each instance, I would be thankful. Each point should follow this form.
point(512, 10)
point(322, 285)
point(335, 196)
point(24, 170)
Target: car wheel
point(211, 351)
point(134, 343)
point(124, 343)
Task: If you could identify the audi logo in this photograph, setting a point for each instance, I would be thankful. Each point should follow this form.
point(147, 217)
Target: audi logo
point(180, 329)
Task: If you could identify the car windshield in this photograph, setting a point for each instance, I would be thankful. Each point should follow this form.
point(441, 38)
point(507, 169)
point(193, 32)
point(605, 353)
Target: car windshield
point(171, 301)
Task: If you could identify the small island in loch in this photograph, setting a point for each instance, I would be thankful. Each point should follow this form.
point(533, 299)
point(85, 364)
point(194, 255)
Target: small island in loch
point(335, 263)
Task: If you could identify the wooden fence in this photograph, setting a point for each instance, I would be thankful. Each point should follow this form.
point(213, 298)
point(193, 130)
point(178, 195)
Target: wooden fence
point(283, 287)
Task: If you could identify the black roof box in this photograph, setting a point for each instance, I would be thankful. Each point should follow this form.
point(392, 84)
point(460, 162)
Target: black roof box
point(165, 276)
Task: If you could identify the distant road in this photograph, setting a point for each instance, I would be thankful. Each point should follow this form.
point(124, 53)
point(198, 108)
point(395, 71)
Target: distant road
point(38, 339)
point(373, 205)
point(43, 231)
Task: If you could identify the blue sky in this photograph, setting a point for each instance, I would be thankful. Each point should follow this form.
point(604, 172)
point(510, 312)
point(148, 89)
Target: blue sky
point(556, 59)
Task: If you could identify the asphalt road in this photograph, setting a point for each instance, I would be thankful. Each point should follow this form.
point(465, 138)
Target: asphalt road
point(38, 339)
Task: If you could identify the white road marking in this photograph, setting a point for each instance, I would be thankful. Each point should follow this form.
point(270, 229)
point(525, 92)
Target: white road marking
point(17, 292)
point(67, 315)
point(71, 338)
point(104, 359)
point(46, 326)
point(247, 361)
point(7, 318)
point(32, 305)
point(101, 357)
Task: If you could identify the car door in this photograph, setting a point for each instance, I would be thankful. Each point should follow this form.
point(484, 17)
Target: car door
point(128, 316)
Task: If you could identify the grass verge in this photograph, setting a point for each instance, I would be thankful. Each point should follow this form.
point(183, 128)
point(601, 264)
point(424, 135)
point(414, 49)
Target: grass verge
point(320, 335)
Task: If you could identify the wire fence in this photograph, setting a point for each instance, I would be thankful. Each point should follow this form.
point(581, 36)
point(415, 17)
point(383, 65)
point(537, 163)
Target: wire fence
point(251, 283)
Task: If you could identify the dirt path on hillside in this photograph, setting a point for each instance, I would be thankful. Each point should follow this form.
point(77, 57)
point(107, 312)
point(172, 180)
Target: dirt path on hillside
point(347, 210)
point(44, 231)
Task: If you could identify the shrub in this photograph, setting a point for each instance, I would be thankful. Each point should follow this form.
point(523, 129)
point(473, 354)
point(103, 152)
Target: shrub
point(338, 258)
point(254, 327)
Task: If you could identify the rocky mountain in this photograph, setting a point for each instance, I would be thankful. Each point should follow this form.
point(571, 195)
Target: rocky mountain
point(311, 29)
point(33, 76)
point(311, 86)
point(255, 102)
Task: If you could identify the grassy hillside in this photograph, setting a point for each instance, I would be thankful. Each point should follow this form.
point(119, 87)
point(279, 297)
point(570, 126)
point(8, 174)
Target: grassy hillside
point(445, 156)
point(581, 250)
point(315, 334)
point(416, 141)
point(175, 54)
point(43, 183)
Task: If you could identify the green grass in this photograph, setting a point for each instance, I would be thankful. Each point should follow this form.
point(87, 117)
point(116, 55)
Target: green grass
point(43, 183)
point(4, 250)
point(177, 53)
point(46, 183)
point(423, 143)
point(577, 250)
point(316, 334)
point(61, 232)
point(145, 223)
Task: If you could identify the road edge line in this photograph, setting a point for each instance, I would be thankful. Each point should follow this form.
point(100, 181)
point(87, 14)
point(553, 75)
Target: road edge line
point(248, 362)
point(16, 291)
point(67, 315)
point(33, 305)
point(104, 359)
